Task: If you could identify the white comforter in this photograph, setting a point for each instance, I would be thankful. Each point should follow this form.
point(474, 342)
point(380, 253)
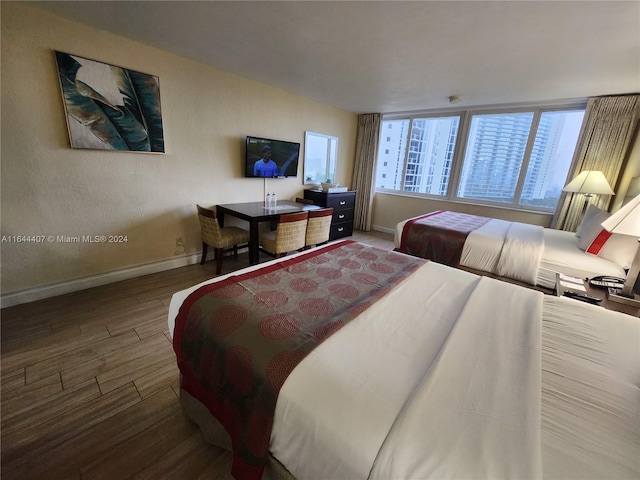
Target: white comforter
point(479, 400)
point(528, 253)
point(442, 379)
point(405, 374)
point(508, 249)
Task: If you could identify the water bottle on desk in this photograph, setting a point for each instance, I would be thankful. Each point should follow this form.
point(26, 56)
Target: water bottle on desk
point(274, 200)
point(267, 201)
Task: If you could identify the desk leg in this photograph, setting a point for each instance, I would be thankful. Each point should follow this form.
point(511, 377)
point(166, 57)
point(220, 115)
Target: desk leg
point(220, 217)
point(254, 243)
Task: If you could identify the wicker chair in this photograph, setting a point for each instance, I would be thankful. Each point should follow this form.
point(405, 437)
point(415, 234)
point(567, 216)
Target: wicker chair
point(288, 236)
point(223, 239)
point(318, 227)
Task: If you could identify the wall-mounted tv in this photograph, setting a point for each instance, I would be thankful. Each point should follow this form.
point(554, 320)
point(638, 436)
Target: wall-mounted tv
point(267, 158)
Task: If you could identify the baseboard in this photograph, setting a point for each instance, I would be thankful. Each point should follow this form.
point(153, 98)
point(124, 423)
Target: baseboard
point(53, 290)
point(377, 228)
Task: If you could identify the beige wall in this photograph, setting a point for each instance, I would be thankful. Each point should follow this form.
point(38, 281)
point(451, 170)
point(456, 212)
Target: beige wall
point(50, 189)
point(389, 209)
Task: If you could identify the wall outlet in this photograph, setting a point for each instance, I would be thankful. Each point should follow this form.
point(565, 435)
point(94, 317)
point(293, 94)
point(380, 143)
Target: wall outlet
point(179, 246)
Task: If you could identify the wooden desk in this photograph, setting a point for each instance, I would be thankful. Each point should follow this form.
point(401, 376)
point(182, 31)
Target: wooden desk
point(255, 213)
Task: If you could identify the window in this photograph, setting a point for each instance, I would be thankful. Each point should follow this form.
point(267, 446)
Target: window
point(391, 160)
point(495, 150)
point(513, 158)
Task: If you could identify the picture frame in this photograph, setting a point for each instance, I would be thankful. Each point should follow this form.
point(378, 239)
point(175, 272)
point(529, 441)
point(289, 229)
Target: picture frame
point(109, 107)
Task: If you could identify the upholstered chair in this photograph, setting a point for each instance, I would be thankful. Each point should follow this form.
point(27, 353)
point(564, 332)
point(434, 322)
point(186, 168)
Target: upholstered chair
point(288, 236)
point(223, 239)
point(318, 227)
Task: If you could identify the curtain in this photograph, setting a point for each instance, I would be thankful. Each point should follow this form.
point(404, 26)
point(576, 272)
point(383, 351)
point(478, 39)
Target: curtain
point(606, 136)
point(364, 168)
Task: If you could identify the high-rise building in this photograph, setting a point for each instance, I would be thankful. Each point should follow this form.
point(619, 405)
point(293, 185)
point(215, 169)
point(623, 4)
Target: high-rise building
point(493, 157)
point(391, 154)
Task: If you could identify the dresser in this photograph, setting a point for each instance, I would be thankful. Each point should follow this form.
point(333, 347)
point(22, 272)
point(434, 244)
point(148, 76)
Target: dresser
point(343, 204)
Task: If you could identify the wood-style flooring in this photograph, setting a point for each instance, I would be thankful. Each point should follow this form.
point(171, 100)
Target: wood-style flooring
point(90, 384)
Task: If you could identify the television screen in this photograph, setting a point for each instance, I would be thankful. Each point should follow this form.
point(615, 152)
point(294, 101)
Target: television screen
point(271, 158)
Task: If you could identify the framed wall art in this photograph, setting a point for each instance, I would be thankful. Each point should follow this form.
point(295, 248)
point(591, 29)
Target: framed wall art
point(109, 107)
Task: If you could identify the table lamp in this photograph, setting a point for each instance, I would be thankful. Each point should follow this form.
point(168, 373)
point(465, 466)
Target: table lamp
point(626, 221)
point(589, 182)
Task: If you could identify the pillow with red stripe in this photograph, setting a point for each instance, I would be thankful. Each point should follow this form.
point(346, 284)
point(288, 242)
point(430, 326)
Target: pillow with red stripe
point(620, 249)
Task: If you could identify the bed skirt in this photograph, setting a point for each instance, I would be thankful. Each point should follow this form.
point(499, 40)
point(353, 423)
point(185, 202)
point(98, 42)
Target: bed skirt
point(215, 434)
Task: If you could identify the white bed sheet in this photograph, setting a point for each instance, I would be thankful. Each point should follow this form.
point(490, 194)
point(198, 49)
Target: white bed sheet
point(590, 377)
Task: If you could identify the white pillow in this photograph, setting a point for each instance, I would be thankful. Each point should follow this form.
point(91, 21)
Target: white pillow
point(592, 210)
point(616, 248)
point(591, 228)
point(620, 249)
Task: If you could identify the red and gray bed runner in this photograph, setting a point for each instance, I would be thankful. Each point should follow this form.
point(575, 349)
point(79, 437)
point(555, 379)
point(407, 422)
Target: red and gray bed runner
point(237, 340)
point(439, 235)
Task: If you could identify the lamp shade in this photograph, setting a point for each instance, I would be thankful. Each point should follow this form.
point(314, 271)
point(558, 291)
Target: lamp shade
point(589, 181)
point(625, 221)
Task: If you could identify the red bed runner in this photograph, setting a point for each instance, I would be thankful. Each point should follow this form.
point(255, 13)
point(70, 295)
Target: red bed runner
point(439, 236)
point(237, 340)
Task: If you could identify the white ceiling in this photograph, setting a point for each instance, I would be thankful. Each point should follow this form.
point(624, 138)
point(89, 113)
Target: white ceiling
point(386, 56)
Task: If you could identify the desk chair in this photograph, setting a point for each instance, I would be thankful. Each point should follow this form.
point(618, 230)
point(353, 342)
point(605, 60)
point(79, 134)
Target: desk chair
point(318, 227)
point(288, 236)
point(223, 239)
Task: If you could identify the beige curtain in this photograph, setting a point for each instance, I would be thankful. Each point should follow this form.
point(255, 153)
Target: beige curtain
point(607, 133)
point(364, 168)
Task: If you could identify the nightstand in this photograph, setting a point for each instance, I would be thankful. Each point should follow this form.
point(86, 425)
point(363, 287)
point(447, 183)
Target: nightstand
point(598, 292)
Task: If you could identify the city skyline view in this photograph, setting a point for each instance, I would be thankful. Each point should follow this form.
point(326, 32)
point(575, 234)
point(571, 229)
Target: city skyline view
point(496, 151)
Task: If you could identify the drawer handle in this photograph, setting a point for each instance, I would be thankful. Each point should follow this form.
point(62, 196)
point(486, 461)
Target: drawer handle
point(343, 202)
point(341, 216)
point(340, 229)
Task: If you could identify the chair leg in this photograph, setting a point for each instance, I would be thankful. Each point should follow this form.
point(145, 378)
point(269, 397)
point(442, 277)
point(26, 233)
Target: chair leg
point(204, 253)
point(235, 251)
point(219, 254)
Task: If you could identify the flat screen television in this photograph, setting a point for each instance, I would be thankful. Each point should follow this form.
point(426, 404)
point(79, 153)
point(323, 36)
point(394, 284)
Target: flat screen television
point(267, 158)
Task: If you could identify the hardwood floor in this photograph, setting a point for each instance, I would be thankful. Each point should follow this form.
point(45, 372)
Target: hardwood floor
point(90, 384)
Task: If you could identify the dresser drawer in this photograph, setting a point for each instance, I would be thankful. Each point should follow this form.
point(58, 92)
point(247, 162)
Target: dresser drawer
point(341, 201)
point(340, 216)
point(339, 230)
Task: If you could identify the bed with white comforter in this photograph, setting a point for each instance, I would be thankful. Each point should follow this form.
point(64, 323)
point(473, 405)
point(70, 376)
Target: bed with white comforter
point(434, 381)
point(527, 253)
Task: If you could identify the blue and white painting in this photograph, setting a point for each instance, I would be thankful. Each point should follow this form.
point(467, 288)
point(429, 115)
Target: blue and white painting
point(109, 107)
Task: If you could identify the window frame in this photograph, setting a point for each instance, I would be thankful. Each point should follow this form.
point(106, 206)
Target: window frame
point(462, 137)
